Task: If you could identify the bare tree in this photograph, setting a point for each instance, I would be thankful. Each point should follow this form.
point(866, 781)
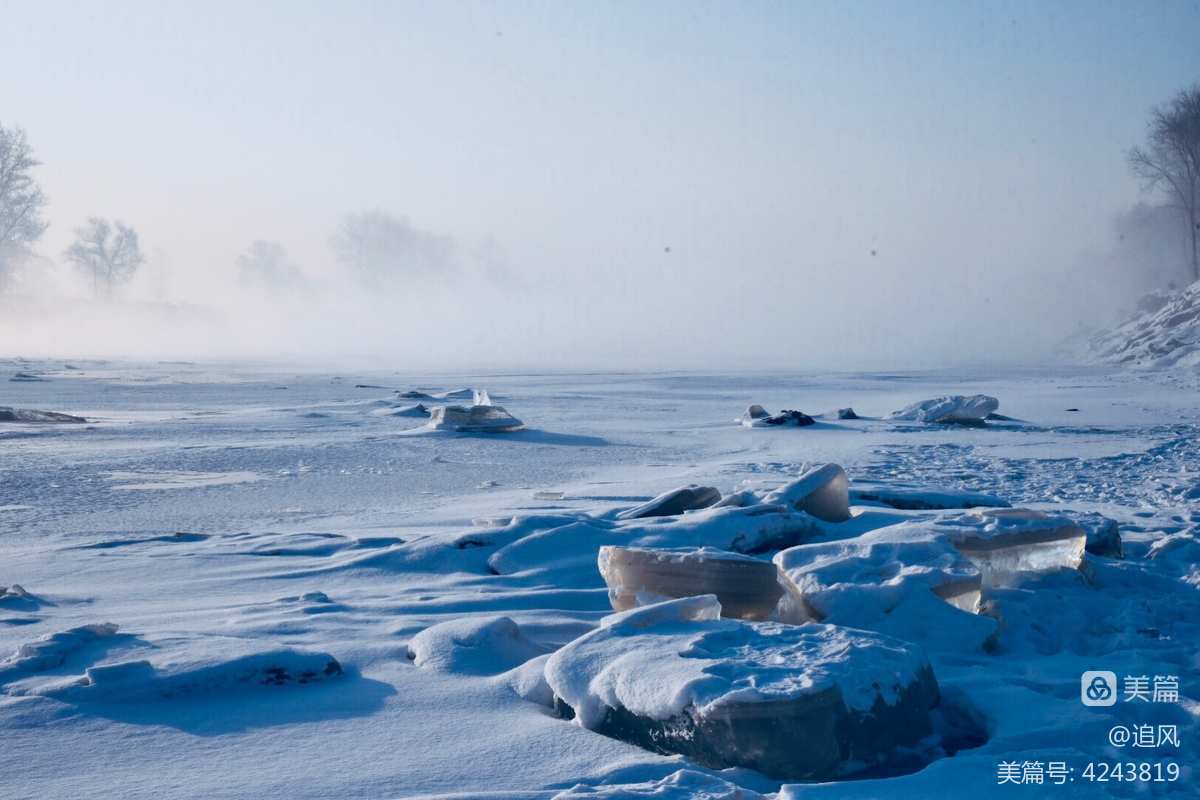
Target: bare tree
point(108, 251)
point(21, 200)
point(379, 247)
point(266, 263)
point(1170, 161)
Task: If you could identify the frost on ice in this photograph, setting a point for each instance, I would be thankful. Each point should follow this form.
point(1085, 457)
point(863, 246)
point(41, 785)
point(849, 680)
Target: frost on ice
point(806, 701)
point(949, 409)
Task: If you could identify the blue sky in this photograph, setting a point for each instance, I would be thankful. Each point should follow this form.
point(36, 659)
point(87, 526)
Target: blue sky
point(768, 144)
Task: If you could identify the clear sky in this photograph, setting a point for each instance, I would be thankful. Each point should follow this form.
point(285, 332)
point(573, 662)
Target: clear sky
point(897, 173)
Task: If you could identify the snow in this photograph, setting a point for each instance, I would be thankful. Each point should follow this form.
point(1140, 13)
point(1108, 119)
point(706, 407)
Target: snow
point(1164, 334)
point(905, 580)
point(473, 645)
point(949, 409)
point(355, 539)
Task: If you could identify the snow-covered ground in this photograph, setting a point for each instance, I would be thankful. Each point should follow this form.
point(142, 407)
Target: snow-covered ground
point(222, 572)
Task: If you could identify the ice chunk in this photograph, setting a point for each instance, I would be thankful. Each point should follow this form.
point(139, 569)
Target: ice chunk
point(1006, 543)
point(676, 501)
point(748, 588)
point(473, 645)
point(474, 419)
point(808, 702)
point(822, 492)
point(904, 580)
point(951, 408)
point(920, 498)
point(684, 784)
point(9, 414)
point(1103, 535)
point(846, 413)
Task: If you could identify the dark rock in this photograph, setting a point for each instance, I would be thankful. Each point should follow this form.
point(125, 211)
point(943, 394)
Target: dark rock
point(790, 417)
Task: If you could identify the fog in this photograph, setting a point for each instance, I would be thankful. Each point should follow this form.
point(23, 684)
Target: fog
point(599, 185)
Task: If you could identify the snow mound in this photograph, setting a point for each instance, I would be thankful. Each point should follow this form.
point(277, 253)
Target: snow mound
point(674, 502)
point(949, 409)
point(140, 681)
point(53, 650)
point(10, 414)
point(1167, 336)
point(747, 588)
point(684, 784)
point(904, 580)
point(821, 491)
point(806, 701)
point(474, 645)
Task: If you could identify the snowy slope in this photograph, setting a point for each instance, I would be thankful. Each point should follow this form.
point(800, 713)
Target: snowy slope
point(1168, 336)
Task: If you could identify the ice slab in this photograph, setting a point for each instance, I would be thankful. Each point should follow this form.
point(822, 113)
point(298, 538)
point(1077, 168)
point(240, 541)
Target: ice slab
point(921, 498)
point(903, 580)
point(747, 588)
point(675, 501)
point(473, 419)
point(810, 702)
point(473, 645)
point(822, 492)
point(950, 408)
point(1007, 543)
